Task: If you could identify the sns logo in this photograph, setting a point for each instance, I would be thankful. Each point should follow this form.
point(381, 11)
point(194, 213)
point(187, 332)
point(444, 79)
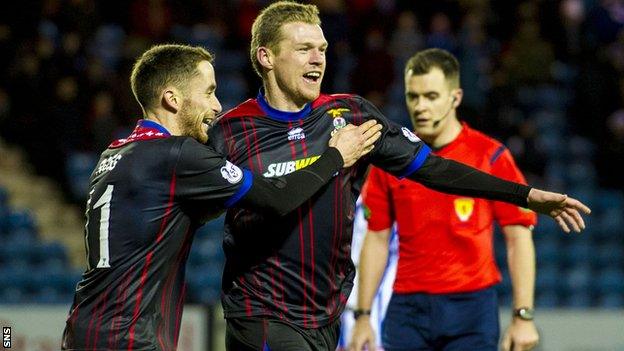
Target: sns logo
point(108, 164)
point(6, 337)
point(231, 172)
point(284, 168)
point(296, 134)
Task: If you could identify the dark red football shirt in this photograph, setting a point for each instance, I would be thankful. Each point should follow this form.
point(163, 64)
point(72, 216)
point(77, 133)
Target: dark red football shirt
point(148, 195)
point(298, 268)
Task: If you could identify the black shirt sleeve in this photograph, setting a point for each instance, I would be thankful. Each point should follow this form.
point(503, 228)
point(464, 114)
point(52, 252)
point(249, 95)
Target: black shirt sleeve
point(284, 194)
point(202, 174)
point(449, 176)
point(399, 151)
point(216, 139)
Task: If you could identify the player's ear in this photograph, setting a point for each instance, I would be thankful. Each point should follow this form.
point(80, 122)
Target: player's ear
point(458, 95)
point(264, 56)
point(171, 99)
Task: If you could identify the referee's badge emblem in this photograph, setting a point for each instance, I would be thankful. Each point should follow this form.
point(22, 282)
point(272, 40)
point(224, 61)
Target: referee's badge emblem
point(463, 208)
point(231, 172)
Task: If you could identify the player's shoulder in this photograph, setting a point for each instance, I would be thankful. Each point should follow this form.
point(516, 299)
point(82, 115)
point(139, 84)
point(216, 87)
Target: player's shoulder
point(333, 99)
point(248, 108)
point(192, 146)
point(195, 155)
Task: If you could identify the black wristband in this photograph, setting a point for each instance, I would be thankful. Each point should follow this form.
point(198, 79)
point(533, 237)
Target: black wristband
point(360, 312)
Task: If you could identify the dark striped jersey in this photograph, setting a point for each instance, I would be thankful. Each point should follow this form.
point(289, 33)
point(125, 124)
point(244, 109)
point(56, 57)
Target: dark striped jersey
point(298, 268)
point(148, 194)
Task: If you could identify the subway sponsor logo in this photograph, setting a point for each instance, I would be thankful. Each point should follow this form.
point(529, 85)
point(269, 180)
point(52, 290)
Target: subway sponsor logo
point(283, 168)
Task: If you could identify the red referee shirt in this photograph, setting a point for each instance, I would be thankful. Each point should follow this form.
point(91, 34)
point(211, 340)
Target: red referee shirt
point(445, 241)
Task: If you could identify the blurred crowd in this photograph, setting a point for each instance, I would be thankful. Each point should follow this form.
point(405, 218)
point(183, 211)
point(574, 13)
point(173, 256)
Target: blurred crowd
point(527, 67)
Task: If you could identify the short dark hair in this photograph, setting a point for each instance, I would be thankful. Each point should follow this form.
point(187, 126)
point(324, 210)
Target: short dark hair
point(423, 61)
point(164, 65)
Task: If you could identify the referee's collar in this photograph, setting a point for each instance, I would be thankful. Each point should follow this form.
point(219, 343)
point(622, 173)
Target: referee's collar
point(280, 115)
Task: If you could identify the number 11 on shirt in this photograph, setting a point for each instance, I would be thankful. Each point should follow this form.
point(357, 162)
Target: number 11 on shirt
point(104, 203)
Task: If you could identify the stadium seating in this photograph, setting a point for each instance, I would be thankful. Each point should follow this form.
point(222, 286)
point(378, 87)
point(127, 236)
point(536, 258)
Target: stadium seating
point(79, 166)
point(39, 270)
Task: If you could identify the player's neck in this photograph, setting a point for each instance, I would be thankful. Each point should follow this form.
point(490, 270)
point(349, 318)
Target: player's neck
point(279, 99)
point(165, 119)
point(449, 132)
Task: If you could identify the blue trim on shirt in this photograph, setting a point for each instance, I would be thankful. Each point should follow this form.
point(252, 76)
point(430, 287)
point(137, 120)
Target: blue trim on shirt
point(247, 182)
point(417, 162)
point(283, 116)
point(497, 154)
point(146, 123)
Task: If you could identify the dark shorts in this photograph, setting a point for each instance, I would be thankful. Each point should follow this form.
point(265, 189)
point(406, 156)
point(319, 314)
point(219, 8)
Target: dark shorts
point(272, 335)
point(448, 322)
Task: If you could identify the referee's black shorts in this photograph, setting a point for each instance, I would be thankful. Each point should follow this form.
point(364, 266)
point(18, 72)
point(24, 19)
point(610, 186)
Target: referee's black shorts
point(257, 334)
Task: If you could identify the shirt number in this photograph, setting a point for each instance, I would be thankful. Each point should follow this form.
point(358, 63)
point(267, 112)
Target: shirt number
point(104, 202)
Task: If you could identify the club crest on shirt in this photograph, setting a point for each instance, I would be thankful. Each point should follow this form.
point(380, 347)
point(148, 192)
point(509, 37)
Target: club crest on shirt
point(296, 134)
point(231, 172)
point(337, 112)
point(464, 207)
point(410, 135)
point(339, 121)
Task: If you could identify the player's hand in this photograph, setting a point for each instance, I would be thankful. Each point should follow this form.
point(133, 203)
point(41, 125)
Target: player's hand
point(565, 210)
point(363, 334)
point(354, 142)
point(520, 336)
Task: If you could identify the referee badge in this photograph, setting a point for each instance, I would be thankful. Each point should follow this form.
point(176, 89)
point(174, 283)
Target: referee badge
point(463, 208)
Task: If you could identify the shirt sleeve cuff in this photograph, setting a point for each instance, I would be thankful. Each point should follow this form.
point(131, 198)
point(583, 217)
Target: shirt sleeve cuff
point(417, 162)
point(247, 182)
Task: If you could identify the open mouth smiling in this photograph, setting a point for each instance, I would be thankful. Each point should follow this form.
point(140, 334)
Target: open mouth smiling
point(312, 77)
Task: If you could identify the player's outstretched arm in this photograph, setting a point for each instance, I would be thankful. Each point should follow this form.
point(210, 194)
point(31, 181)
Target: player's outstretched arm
point(456, 178)
point(284, 194)
point(566, 211)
